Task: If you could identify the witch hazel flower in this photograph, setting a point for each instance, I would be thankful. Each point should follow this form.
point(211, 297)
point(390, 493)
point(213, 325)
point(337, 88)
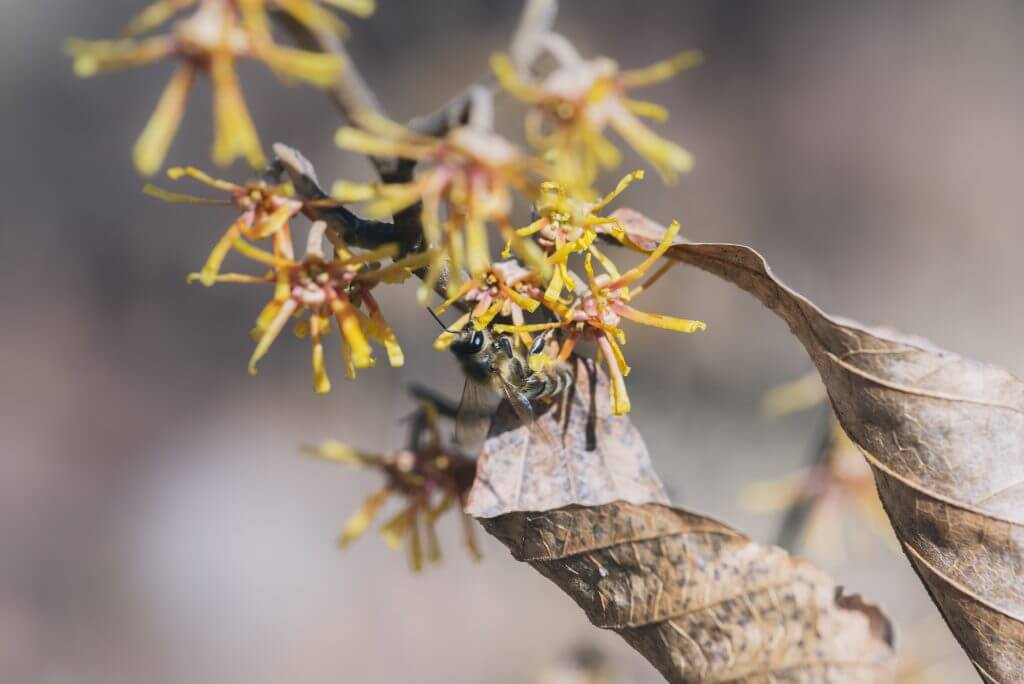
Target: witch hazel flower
point(323, 290)
point(429, 478)
point(574, 104)
point(208, 41)
point(567, 225)
point(266, 211)
point(506, 289)
point(466, 183)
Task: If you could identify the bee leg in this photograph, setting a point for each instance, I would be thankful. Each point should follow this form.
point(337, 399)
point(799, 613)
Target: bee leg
point(533, 386)
point(506, 346)
point(563, 411)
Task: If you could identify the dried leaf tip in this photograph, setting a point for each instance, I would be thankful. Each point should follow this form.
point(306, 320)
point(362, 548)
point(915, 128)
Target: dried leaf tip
point(694, 596)
point(943, 435)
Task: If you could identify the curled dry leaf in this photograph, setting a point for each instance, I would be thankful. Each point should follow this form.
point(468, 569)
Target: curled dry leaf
point(944, 436)
point(519, 470)
point(695, 597)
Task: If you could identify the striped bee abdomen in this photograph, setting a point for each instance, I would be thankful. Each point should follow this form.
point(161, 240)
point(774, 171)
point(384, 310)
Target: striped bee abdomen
point(549, 382)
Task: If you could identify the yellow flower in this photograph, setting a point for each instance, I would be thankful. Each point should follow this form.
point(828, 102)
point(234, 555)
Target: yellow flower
point(210, 40)
point(313, 16)
point(428, 477)
point(337, 288)
point(505, 289)
point(266, 212)
point(466, 183)
point(567, 225)
point(837, 482)
point(597, 314)
point(579, 99)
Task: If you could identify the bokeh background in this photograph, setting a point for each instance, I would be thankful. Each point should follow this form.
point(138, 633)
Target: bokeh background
point(156, 522)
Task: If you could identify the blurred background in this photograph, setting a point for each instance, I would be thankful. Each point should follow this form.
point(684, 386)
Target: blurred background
point(157, 523)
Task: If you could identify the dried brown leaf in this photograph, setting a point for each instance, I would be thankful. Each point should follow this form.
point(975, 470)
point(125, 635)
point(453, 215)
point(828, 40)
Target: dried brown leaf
point(944, 436)
point(695, 597)
point(518, 470)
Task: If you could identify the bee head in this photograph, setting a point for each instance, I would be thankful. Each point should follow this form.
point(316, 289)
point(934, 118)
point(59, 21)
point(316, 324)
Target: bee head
point(468, 341)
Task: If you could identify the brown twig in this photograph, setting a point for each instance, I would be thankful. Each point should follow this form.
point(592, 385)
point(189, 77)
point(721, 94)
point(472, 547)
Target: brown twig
point(453, 113)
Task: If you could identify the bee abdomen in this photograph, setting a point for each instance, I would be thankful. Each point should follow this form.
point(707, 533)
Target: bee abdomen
point(548, 383)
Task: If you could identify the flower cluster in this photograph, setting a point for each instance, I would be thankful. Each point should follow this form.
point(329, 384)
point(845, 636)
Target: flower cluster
point(211, 40)
point(320, 287)
point(429, 477)
point(463, 183)
point(466, 183)
point(596, 314)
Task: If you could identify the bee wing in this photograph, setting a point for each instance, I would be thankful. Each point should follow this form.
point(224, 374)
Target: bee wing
point(472, 418)
point(523, 409)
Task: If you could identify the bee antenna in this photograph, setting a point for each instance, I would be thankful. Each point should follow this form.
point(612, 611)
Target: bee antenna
point(440, 322)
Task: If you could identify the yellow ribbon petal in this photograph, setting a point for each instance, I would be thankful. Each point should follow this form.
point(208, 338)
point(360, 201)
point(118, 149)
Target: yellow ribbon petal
point(394, 529)
point(661, 71)
point(361, 519)
point(152, 145)
point(270, 334)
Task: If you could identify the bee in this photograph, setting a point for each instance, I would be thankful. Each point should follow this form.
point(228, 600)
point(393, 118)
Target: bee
point(493, 361)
